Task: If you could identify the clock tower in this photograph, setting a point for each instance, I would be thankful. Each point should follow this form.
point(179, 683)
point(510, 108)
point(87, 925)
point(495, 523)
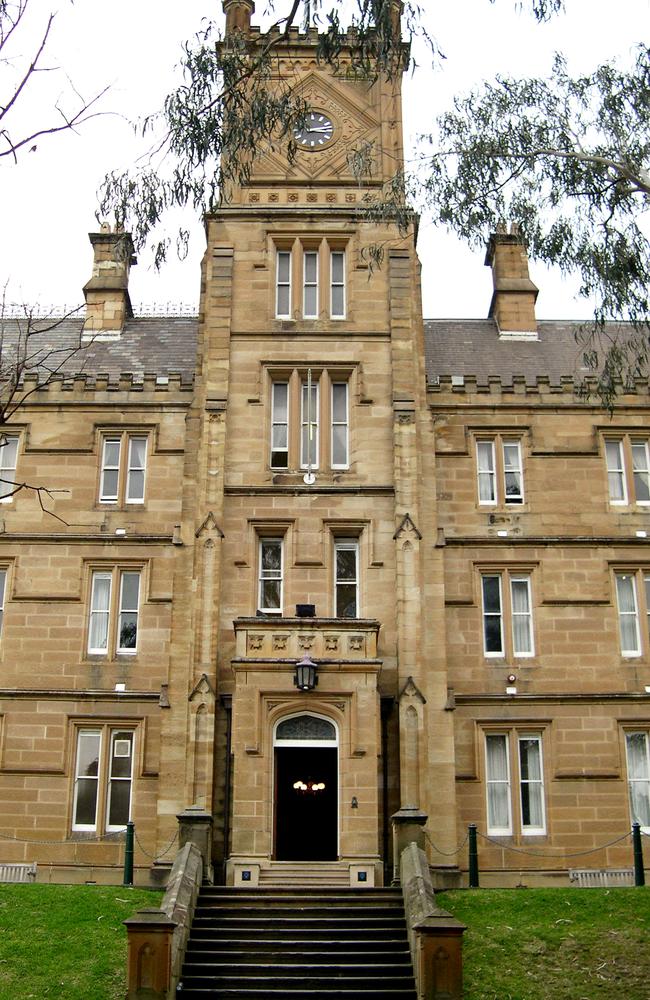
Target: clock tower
point(313, 653)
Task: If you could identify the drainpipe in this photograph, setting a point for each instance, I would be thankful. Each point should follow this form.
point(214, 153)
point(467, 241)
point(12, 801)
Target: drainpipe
point(386, 711)
point(226, 701)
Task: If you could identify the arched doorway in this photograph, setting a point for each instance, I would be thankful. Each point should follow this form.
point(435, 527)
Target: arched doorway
point(306, 789)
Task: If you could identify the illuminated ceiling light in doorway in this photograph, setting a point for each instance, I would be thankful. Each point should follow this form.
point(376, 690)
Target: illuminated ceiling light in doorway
point(309, 786)
point(305, 677)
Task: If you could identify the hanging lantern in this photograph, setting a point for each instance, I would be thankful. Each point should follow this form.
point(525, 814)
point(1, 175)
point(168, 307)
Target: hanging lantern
point(305, 677)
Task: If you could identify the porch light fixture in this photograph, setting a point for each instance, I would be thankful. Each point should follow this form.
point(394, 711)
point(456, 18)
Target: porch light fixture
point(309, 786)
point(305, 677)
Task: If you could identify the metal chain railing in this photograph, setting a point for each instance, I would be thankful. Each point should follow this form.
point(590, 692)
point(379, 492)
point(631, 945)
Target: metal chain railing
point(160, 854)
point(540, 854)
point(447, 854)
point(58, 843)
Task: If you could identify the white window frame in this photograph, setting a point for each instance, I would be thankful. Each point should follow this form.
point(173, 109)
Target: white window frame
point(8, 467)
point(512, 500)
point(491, 614)
point(123, 611)
point(337, 284)
point(527, 615)
point(275, 422)
point(262, 578)
point(282, 284)
point(97, 576)
point(114, 613)
point(111, 779)
point(634, 614)
point(104, 495)
point(315, 423)
point(3, 587)
point(124, 469)
point(489, 473)
point(106, 736)
point(645, 780)
point(309, 255)
point(530, 830)
point(85, 733)
point(493, 830)
point(345, 424)
point(644, 471)
point(616, 470)
point(131, 469)
point(346, 545)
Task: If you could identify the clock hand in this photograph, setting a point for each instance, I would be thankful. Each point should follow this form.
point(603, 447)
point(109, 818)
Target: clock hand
point(326, 129)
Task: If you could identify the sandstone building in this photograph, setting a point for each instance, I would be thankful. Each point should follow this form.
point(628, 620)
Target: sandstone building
point(315, 559)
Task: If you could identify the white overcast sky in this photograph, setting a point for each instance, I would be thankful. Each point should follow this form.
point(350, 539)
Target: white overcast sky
point(48, 201)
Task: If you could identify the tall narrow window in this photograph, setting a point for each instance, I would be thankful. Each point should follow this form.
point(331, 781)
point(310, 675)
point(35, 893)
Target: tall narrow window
point(86, 785)
point(310, 284)
point(123, 469)
point(522, 621)
point(615, 472)
point(3, 583)
point(641, 471)
point(512, 474)
point(283, 285)
point(346, 579)
point(531, 784)
point(270, 576)
point(492, 616)
point(638, 777)
point(486, 472)
point(499, 816)
point(340, 458)
point(103, 779)
point(337, 289)
point(118, 806)
point(628, 614)
point(128, 616)
point(110, 478)
point(100, 606)
point(309, 426)
point(136, 470)
point(280, 426)
point(8, 458)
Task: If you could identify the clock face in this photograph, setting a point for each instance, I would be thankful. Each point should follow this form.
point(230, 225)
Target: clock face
point(316, 131)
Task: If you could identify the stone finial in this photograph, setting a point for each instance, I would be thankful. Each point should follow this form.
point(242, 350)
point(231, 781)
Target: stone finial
point(513, 300)
point(108, 304)
point(238, 15)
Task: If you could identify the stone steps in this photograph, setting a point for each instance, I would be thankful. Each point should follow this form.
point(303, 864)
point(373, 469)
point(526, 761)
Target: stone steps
point(310, 944)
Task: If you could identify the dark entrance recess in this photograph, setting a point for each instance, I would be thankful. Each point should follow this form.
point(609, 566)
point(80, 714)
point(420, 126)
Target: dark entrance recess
point(306, 822)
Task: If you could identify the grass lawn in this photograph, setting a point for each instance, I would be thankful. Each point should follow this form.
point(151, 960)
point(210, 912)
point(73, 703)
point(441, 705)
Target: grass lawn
point(554, 944)
point(66, 942)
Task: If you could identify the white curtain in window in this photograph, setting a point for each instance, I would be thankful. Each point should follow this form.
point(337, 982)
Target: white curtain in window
point(615, 474)
point(521, 617)
point(641, 471)
point(101, 600)
point(485, 458)
point(627, 613)
point(638, 774)
point(498, 784)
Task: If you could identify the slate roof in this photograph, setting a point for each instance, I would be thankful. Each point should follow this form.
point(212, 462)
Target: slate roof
point(148, 346)
point(472, 347)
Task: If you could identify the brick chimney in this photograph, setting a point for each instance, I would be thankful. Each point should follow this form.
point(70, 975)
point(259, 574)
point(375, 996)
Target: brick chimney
point(513, 299)
point(108, 305)
point(238, 15)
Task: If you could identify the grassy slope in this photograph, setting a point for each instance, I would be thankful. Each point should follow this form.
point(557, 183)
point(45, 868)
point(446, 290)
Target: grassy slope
point(68, 942)
point(554, 944)
point(65, 942)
